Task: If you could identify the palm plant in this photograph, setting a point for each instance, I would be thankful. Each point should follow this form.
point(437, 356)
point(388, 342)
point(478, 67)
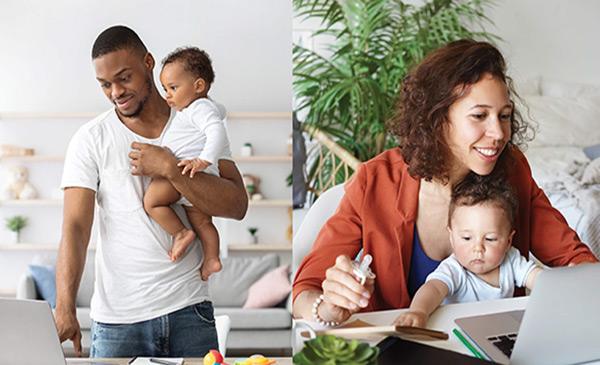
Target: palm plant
point(350, 93)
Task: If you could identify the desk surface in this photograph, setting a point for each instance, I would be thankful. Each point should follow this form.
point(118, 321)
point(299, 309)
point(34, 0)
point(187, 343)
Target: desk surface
point(443, 318)
point(187, 361)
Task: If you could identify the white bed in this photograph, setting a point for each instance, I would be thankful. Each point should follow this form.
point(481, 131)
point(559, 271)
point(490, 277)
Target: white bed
point(568, 117)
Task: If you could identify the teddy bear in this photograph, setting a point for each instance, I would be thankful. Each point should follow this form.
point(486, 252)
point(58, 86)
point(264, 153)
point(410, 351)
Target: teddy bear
point(18, 187)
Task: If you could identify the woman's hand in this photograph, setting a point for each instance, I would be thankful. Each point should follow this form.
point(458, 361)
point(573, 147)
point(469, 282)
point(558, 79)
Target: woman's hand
point(412, 318)
point(342, 292)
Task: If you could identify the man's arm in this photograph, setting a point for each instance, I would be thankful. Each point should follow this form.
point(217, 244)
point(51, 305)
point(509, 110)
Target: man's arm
point(78, 216)
point(223, 196)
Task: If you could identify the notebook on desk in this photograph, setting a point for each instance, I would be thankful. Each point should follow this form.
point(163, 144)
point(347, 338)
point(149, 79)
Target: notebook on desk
point(362, 330)
point(561, 324)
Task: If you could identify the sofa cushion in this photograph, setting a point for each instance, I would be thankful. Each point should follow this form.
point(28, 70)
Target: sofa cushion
point(263, 318)
point(83, 316)
point(45, 282)
point(86, 285)
point(229, 287)
point(270, 289)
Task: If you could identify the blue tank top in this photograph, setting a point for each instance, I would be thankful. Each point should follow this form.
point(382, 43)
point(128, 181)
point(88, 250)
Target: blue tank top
point(420, 266)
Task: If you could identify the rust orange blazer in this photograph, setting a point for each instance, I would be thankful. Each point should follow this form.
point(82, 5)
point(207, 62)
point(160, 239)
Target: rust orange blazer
point(378, 212)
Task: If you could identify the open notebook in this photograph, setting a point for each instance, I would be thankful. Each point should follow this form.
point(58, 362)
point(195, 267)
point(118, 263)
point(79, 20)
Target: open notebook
point(362, 330)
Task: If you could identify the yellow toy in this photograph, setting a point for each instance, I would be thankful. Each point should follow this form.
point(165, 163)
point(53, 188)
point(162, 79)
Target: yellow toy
point(256, 360)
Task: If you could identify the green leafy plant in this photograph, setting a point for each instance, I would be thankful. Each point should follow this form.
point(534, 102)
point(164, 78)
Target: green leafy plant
point(252, 231)
point(333, 350)
point(16, 223)
point(349, 93)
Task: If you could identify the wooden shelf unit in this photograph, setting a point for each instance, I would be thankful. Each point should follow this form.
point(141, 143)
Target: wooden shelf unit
point(35, 247)
point(58, 202)
point(57, 158)
point(90, 115)
point(260, 247)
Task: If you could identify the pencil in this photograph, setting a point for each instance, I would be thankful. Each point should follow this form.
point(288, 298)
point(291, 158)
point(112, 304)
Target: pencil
point(467, 344)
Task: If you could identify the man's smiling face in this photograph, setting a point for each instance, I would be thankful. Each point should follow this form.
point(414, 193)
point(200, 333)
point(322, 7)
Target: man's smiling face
point(126, 79)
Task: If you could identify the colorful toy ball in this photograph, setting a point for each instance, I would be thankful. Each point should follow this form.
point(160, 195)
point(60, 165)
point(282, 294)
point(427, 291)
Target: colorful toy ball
point(213, 357)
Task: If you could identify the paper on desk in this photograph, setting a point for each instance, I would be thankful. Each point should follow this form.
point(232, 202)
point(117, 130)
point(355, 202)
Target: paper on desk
point(146, 360)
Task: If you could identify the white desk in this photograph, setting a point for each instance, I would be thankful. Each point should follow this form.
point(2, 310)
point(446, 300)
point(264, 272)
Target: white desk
point(443, 318)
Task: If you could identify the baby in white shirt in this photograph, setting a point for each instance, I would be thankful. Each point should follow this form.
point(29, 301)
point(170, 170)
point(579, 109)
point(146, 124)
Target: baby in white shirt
point(198, 138)
point(484, 265)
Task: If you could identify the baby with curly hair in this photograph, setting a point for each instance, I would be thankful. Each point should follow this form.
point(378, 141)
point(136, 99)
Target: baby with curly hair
point(198, 139)
point(483, 265)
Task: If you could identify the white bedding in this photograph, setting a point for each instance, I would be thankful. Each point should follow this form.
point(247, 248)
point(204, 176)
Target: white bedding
point(572, 183)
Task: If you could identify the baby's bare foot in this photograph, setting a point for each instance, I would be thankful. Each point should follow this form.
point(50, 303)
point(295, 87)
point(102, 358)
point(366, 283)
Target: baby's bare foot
point(181, 241)
point(209, 267)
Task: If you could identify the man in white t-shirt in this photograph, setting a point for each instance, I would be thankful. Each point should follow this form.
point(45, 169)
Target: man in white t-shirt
point(143, 304)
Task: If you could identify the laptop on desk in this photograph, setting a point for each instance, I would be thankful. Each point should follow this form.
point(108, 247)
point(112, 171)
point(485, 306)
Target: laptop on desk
point(28, 334)
point(561, 324)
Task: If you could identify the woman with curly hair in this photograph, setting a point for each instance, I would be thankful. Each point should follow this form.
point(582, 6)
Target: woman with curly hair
point(455, 117)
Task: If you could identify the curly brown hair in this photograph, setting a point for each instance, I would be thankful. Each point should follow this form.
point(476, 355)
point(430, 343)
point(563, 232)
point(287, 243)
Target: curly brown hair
point(475, 189)
point(195, 61)
point(427, 93)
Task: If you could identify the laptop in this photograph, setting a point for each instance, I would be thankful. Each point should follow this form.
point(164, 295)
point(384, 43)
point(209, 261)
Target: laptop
point(561, 324)
point(28, 334)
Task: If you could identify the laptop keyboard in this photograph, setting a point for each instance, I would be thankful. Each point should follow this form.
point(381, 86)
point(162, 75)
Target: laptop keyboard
point(504, 343)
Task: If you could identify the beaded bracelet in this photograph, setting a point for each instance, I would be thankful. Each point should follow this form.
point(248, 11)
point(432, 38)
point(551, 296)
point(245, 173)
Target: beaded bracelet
point(316, 316)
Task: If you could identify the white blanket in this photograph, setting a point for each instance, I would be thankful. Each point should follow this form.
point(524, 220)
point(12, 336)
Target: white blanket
point(572, 183)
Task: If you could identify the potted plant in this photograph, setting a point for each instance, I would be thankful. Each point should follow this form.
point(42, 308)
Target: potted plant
point(15, 225)
point(253, 237)
point(349, 93)
point(333, 350)
point(246, 150)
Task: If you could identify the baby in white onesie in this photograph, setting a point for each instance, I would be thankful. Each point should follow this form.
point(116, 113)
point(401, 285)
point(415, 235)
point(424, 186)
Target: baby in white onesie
point(198, 138)
point(484, 265)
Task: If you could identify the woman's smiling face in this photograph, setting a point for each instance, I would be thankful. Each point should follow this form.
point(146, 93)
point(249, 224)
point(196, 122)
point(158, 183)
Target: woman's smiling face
point(479, 128)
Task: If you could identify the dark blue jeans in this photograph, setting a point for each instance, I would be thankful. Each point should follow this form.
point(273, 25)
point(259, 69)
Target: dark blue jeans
point(188, 332)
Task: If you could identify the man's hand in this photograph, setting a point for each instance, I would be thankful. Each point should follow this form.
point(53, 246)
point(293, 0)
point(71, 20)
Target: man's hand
point(412, 318)
point(153, 161)
point(68, 329)
point(193, 166)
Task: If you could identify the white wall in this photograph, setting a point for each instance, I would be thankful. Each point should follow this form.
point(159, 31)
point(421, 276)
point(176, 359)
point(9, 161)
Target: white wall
point(45, 45)
point(45, 67)
point(555, 39)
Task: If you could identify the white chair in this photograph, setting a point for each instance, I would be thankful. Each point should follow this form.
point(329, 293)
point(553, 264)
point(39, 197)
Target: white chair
point(317, 215)
point(304, 238)
point(223, 325)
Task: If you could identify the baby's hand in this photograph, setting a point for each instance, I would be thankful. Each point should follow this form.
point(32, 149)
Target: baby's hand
point(412, 319)
point(193, 166)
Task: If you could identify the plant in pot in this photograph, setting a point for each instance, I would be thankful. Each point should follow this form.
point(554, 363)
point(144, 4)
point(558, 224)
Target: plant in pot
point(253, 237)
point(246, 150)
point(333, 350)
point(16, 224)
point(348, 91)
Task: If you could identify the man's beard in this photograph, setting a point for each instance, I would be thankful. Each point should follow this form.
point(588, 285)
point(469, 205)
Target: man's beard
point(140, 106)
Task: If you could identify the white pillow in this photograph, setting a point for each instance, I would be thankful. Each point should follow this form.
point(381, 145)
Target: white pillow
point(564, 122)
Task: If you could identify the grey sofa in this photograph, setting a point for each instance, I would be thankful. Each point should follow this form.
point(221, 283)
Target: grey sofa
point(265, 330)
